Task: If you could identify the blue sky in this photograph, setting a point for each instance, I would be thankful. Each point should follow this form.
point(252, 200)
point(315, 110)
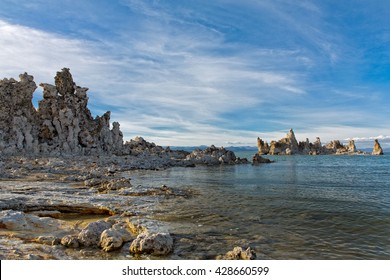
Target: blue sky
point(213, 72)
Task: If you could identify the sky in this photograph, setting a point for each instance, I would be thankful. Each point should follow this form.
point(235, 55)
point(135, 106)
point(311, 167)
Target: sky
point(220, 72)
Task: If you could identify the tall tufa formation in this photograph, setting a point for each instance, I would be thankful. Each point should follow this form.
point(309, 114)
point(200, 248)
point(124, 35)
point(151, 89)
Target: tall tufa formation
point(62, 124)
point(377, 150)
point(262, 147)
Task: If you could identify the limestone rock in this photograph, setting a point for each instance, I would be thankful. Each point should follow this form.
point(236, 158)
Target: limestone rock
point(239, 253)
point(90, 235)
point(159, 244)
point(377, 150)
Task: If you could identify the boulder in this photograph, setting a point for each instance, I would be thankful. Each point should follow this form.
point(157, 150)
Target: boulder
point(113, 238)
point(159, 244)
point(90, 235)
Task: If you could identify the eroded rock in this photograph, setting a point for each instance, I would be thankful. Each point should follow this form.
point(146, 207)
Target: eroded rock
point(159, 244)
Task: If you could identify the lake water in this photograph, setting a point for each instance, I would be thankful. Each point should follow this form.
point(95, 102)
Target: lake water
point(300, 207)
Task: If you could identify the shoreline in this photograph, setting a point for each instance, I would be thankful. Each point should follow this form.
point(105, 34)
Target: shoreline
point(44, 200)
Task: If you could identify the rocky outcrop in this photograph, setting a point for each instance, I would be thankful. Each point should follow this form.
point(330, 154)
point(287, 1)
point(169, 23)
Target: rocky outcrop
point(257, 159)
point(289, 146)
point(377, 150)
point(62, 124)
point(214, 156)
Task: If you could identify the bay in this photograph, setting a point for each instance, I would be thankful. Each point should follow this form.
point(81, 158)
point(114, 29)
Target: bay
point(299, 207)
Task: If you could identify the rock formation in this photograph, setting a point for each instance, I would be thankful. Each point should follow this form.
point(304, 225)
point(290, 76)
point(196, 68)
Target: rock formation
point(377, 150)
point(213, 155)
point(289, 146)
point(257, 159)
point(62, 124)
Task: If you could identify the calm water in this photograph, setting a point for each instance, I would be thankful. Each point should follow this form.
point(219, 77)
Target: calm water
point(300, 207)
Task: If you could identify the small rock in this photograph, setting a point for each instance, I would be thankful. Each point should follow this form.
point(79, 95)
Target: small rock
point(94, 182)
point(239, 254)
point(115, 184)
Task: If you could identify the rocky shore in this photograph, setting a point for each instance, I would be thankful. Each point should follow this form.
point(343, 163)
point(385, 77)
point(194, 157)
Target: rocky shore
point(65, 188)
